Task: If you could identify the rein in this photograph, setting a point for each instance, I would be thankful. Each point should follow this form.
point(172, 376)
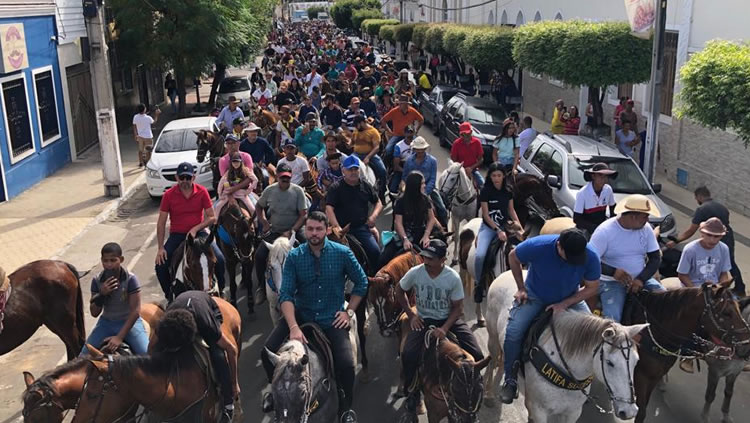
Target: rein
point(244, 258)
point(48, 402)
point(380, 310)
point(452, 193)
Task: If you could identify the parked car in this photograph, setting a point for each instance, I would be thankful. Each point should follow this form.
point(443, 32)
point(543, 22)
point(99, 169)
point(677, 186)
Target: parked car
point(431, 103)
point(177, 143)
point(237, 86)
point(561, 160)
point(486, 118)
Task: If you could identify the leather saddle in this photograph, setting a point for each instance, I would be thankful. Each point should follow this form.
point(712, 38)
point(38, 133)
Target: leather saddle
point(318, 342)
point(538, 325)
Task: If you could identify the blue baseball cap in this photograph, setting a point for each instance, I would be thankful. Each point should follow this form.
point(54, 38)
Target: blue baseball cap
point(185, 168)
point(352, 161)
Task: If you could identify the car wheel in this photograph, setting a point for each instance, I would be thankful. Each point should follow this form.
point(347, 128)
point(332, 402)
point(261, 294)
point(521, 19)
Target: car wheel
point(441, 137)
point(435, 128)
point(155, 198)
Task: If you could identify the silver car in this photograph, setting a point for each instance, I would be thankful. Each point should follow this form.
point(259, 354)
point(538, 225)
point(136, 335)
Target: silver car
point(561, 160)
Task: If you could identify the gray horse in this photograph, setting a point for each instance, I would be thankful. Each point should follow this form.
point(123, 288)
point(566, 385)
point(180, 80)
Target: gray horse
point(728, 369)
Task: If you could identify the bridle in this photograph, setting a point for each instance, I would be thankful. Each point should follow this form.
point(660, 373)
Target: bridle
point(244, 258)
point(383, 322)
point(186, 270)
point(311, 404)
point(452, 192)
point(48, 403)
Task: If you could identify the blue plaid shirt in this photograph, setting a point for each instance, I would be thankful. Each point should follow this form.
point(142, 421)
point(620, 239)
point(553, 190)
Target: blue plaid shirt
point(428, 167)
point(316, 285)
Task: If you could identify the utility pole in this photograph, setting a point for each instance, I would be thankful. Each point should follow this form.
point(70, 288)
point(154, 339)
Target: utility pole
point(104, 104)
point(657, 76)
point(401, 11)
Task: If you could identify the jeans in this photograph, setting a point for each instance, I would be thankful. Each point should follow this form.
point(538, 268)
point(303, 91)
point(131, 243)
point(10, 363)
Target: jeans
point(440, 211)
point(521, 317)
point(728, 239)
point(414, 347)
point(137, 338)
point(478, 178)
point(613, 293)
point(163, 271)
point(341, 349)
point(370, 244)
point(392, 141)
point(395, 181)
point(484, 239)
point(173, 99)
point(377, 165)
point(221, 367)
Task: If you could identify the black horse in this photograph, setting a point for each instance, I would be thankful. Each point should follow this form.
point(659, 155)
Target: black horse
point(533, 202)
point(236, 237)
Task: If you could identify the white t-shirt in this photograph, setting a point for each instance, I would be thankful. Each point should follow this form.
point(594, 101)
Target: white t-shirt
point(267, 94)
point(434, 296)
point(525, 138)
point(623, 248)
point(143, 124)
point(298, 166)
point(403, 150)
point(588, 202)
point(314, 81)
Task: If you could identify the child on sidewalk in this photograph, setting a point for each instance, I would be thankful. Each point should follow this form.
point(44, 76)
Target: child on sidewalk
point(116, 296)
point(237, 174)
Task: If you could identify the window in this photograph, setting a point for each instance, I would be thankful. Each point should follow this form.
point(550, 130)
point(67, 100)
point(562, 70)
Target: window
point(532, 148)
point(127, 79)
point(537, 17)
point(558, 17)
point(176, 141)
point(504, 18)
point(492, 116)
point(46, 104)
point(519, 19)
point(17, 117)
point(461, 113)
point(554, 165)
point(541, 157)
point(669, 72)
point(629, 180)
point(233, 85)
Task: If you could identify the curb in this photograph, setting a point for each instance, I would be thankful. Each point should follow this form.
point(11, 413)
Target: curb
point(104, 214)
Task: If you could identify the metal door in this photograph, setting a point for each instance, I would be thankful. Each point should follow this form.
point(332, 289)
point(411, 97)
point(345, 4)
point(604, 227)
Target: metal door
point(82, 107)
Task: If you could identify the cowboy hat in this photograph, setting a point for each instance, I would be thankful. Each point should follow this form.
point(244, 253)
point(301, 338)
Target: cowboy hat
point(251, 127)
point(419, 143)
point(637, 203)
point(232, 99)
point(601, 169)
point(713, 226)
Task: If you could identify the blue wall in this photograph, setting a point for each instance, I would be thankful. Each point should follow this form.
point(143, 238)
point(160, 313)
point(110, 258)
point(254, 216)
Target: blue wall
point(42, 51)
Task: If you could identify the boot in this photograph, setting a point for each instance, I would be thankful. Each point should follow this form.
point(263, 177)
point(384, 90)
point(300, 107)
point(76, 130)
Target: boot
point(509, 391)
point(349, 416)
point(412, 402)
point(267, 402)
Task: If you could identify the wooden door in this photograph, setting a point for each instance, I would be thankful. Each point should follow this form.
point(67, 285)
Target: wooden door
point(82, 107)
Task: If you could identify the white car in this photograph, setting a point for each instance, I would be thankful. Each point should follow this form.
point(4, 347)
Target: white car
point(237, 86)
point(177, 143)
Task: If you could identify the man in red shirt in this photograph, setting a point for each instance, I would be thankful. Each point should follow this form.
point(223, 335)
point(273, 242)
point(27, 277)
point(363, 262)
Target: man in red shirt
point(190, 212)
point(467, 150)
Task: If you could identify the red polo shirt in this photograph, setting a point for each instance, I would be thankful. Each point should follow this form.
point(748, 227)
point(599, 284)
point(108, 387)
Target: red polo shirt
point(468, 154)
point(185, 213)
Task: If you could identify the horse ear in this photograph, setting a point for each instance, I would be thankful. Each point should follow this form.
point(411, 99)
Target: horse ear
point(635, 330)
point(727, 283)
point(305, 359)
point(94, 353)
point(198, 133)
point(609, 334)
point(28, 378)
point(483, 363)
point(189, 239)
point(273, 357)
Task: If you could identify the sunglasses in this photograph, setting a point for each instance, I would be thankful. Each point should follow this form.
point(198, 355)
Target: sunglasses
point(185, 177)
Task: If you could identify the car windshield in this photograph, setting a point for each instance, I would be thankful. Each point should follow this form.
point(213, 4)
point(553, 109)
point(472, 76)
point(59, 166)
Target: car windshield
point(485, 115)
point(177, 140)
point(233, 85)
point(629, 179)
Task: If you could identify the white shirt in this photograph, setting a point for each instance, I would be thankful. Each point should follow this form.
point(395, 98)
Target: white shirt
point(267, 94)
point(314, 81)
point(143, 124)
point(525, 138)
point(588, 202)
point(298, 166)
point(403, 150)
point(623, 248)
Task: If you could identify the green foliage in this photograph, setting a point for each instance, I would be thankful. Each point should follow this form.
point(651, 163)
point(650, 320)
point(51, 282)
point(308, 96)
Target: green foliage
point(387, 32)
point(403, 32)
point(419, 34)
point(583, 53)
point(341, 11)
point(359, 16)
point(312, 12)
point(489, 48)
point(434, 38)
point(453, 37)
point(372, 26)
point(715, 89)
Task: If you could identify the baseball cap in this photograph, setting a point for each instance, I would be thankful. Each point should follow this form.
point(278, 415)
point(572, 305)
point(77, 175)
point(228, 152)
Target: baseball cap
point(573, 243)
point(236, 157)
point(231, 138)
point(283, 169)
point(351, 161)
point(310, 116)
point(288, 142)
point(185, 168)
point(464, 128)
point(436, 249)
point(238, 121)
point(358, 119)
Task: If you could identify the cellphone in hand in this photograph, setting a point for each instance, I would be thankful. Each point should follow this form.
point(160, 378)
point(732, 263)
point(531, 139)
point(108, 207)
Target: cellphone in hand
point(110, 273)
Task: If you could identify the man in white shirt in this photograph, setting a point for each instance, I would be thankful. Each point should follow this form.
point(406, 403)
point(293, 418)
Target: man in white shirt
point(622, 243)
point(526, 136)
point(300, 167)
point(142, 132)
point(313, 79)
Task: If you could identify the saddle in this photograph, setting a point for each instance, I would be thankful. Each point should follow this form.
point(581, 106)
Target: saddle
point(318, 342)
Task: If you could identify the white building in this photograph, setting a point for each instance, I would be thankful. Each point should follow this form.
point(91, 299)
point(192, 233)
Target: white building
point(689, 154)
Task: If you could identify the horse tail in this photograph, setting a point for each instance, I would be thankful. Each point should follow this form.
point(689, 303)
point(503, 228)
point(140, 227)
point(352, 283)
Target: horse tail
point(464, 241)
point(80, 322)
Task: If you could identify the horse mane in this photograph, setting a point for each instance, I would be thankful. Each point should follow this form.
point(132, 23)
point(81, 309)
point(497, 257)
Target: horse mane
point(48, 378)
point(279, 249)
point(582, 333)
point(159, 363)
point(399, 265)
point(290, 352)
point(669, 304)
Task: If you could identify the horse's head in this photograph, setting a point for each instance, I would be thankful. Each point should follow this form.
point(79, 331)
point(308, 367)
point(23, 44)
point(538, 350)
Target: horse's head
point(722, 318)
point(382, 296)
point(101, 400)
point(42, 402)
point(292, 383)
point(240, 228)
point(614, 366)
point(208, 142)
point(199, 262)
point(277, 253)
point(527, 186)
point(465, 389)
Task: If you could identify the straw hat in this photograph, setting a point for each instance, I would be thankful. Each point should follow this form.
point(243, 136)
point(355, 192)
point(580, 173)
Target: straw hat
point(637, 203)
point(713, 226)
point(419, 143)
point(599, 168)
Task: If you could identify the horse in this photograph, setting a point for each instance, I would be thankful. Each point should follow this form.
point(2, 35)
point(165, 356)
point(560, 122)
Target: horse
point(236, 239)
point(196, 265)
point(278, 251)
point(44, 292)
point(210, 144)
point(457, 189)
point(169, 385)
point(585, 346)
point(533, 202)
point(47, 399)
point(382, 291)
point(698, 322)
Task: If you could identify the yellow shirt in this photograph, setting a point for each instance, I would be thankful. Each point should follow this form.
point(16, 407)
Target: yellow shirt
point(557, 126)
point(365, 141)
point(424, 82)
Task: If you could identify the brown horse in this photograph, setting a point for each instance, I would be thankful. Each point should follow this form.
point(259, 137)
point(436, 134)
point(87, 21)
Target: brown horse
point(237, 240)
point(193, 266)
point(168, 385)
point(211, 145)
point(44, 292)
point(703, 321)
point(382, 291)
point(46, 399)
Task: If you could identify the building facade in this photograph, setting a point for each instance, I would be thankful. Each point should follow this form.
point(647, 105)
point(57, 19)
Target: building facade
point(34, 123)
point(688, 154)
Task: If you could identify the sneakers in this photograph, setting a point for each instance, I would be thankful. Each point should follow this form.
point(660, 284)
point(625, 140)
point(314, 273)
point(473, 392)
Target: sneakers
point(509, 391)
point(349, 417)
point(412, 402)
point(267, 402)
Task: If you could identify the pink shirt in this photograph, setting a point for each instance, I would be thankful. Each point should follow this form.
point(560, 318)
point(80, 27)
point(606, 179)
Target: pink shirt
point(224, 162)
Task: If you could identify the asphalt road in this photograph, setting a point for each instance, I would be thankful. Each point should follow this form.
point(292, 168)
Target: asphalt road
point(134, 227)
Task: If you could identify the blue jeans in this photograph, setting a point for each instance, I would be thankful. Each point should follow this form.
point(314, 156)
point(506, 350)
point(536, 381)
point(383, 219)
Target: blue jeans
point(478, 178)
point(484, 239)
point(613, 293)
point(392, 141)
point(137, 338)
point(521, 317)
point(163, 273)
point(369, 243)
point(440, 211)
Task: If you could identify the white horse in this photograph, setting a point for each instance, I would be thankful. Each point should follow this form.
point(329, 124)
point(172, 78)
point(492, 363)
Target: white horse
point(278, 251)
point(457, 187)
point(589, 345)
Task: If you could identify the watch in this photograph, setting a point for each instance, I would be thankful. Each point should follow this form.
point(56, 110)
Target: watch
point(350, 312)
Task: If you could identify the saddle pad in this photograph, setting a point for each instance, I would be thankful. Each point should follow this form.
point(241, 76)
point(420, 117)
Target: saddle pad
point(318, 342)
point(538, 325)
point(490, 261)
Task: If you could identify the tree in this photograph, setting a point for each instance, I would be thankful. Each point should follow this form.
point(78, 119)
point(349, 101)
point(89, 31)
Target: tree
point(312, 12)
point(489, 48)
point(715, 90)
point(419, 34)
point(341, 11)
point(359, 16)
point(434, 38)
point(387, 32)
point(372, 26)
point(583, 53)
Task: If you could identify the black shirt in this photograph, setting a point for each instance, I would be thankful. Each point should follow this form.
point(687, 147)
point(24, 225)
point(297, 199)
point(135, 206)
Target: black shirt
point(270, 52)
point(331, 117)
point(367, 81)
point(351, 203)
point(323, 67)
point(497, 203)
point(414, 225)
point(343, 98)
point(285, 98)
point(207, 315)
point(709, 209)
point(277, 79)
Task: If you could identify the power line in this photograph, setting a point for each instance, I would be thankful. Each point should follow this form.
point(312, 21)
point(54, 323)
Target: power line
point(464, 8)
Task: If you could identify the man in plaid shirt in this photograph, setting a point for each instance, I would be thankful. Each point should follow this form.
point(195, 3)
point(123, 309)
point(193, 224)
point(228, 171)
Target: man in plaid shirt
point(312, 290)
